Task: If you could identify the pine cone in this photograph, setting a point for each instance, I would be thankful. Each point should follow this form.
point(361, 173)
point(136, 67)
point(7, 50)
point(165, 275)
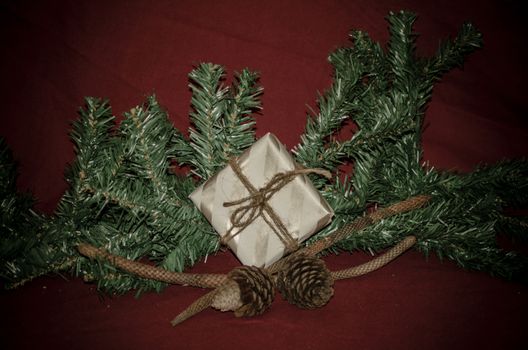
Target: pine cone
point(305, 282)
point(256, 290)
point(227, 297)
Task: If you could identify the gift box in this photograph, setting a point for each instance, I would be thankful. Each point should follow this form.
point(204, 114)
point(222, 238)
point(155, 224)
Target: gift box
point(261, 202)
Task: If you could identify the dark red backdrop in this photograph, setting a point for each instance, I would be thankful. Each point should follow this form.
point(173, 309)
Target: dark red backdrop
point(56, 52)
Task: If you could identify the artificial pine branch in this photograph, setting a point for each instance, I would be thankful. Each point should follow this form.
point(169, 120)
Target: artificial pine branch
point(147, 133)
point(124, 198)
point(18, 223)
point(396, 85)
point(41, 246)
point(167, 226)
point(401, 52)
point(147, 202)
point(450, 54)
point(221, 116)
point(208, 102)
point(122, 193)
point(238, 124)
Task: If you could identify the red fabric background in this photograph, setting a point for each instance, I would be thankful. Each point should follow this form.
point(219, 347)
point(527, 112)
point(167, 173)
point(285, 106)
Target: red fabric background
point(56, 52)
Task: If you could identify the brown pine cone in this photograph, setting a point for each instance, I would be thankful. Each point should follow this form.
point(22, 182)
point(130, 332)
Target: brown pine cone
point(306, 282)
point(256, 290)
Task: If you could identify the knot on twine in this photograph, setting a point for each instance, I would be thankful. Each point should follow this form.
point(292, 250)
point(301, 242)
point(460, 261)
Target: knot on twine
point(255, 204)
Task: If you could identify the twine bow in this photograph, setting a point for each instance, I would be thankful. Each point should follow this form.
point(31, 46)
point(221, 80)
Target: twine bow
point(256, 204)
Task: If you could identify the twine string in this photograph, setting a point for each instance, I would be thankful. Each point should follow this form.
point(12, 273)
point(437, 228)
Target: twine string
point(256, 204)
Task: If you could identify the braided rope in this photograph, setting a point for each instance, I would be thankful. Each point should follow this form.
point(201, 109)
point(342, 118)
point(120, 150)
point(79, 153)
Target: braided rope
point(153, 272)
point(359, 224)
point(376, 263)
point(221, 297)
point(198, 306)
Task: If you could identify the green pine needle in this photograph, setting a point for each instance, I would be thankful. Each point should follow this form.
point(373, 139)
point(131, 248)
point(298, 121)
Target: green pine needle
point(124, 196)
point(387, 92)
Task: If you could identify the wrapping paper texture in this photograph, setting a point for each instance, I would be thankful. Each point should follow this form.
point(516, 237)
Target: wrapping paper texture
point(300, 207)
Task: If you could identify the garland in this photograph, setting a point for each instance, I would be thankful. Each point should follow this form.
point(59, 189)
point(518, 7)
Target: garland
point(124, 197)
